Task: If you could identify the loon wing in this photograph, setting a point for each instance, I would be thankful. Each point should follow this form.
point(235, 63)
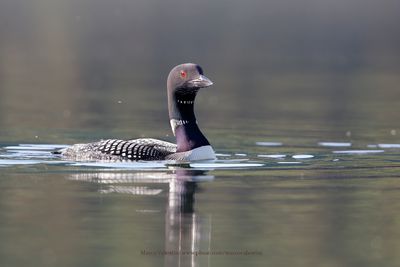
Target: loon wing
point(137, 149)
point(115, 149)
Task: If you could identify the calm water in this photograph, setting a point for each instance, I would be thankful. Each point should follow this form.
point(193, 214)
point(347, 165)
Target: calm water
point(305, 203)
point(304, 116)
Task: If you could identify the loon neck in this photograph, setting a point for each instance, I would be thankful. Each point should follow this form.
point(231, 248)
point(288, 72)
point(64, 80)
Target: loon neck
point(183, 122)
point(181, 106)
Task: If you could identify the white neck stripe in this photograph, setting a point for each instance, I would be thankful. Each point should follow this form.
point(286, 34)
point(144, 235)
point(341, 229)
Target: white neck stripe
point(185, 102)
point(175, 123)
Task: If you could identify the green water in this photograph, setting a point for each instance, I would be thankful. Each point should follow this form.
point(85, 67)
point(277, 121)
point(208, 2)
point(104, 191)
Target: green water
point(326, 210)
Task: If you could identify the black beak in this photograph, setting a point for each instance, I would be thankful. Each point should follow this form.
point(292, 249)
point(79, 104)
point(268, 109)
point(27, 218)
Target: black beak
point(200, 82)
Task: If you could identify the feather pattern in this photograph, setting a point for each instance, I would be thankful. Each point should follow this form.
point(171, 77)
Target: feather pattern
point(115, 149)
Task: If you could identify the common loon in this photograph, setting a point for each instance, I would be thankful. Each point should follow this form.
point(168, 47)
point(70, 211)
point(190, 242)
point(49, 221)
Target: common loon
point(183, 83)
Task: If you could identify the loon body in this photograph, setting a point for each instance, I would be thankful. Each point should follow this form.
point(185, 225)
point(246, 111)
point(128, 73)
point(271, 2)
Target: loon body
point(183, 83)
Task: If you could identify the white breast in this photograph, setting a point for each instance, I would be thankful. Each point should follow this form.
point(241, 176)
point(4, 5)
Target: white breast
point(200, 153)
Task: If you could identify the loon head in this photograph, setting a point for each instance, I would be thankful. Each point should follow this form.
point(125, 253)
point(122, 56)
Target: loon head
point(187, 78)
point(184, 81)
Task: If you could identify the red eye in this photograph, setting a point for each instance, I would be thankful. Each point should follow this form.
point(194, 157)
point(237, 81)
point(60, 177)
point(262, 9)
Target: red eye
point(183, 74)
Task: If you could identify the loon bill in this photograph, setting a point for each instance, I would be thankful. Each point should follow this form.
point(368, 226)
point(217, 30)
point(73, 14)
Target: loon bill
point(183, 83)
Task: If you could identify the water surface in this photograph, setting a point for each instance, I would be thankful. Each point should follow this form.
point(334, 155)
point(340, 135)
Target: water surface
point(314, 203)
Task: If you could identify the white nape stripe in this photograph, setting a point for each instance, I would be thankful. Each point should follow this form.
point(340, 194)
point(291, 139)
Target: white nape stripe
point(175, 123)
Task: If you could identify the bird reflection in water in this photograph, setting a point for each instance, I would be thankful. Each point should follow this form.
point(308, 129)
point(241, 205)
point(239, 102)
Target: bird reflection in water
point(187, 232)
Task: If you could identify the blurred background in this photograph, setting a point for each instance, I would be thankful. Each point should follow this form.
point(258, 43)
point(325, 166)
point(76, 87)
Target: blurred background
point(101, 65)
